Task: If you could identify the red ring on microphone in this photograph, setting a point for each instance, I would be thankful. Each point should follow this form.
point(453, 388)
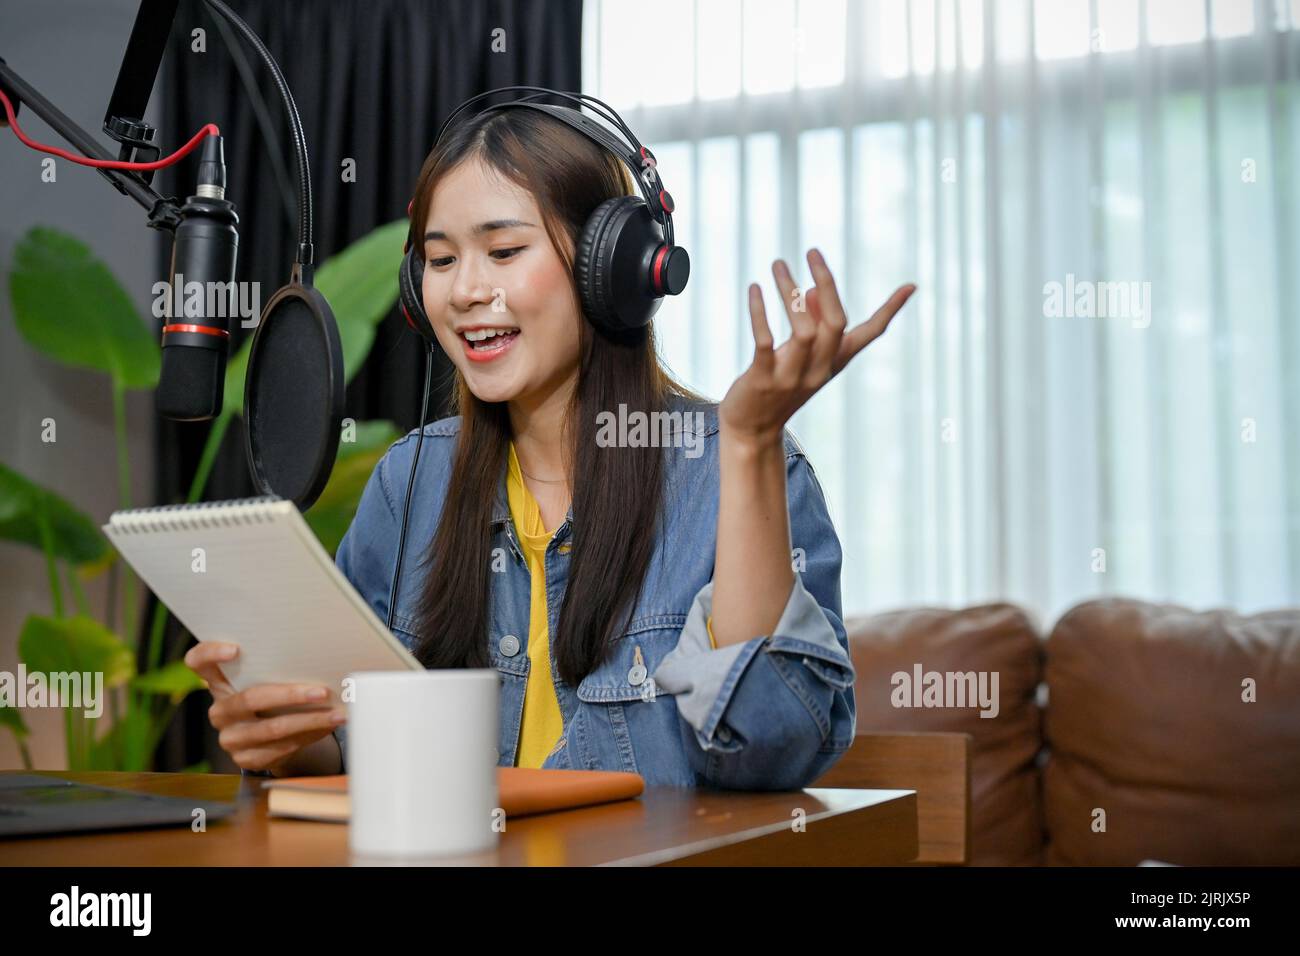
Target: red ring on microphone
point(202, 329)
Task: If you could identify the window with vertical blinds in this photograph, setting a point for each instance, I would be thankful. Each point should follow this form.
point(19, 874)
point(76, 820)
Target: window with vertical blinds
point(1096, 388)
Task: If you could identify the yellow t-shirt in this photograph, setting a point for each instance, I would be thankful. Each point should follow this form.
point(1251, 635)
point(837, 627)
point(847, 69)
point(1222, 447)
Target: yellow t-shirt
point(542, 722)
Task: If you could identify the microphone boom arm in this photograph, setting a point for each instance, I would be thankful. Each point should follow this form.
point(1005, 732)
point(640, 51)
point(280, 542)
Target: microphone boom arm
point(131, 93)
point(164, 212)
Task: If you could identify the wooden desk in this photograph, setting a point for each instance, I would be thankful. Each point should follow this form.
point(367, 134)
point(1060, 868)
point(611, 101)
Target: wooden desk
point(664, 827)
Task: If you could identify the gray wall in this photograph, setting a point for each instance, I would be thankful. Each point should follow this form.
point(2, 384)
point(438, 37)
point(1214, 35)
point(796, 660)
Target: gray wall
point(70, 50)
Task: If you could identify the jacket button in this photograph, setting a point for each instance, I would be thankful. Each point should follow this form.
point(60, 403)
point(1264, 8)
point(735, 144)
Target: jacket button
point(724, 735)
point(509, 645)
point(636, 676)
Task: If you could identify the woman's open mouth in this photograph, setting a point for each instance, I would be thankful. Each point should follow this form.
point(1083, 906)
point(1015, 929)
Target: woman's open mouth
point(487, 343)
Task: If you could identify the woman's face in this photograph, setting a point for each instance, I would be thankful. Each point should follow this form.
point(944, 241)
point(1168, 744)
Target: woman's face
point(495, 290)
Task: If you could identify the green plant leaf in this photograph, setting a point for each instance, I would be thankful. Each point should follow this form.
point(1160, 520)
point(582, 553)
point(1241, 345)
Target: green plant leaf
point(75, 644)
point(360, 283)
point(22, 502)
point(129, 737)
point(68, 305)
point(232, 397)
point(173, 680)
point(330, 516)
point(12, 718)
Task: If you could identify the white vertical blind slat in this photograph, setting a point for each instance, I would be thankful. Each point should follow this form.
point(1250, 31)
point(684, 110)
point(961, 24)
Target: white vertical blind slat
point(1221, 333)
point(995, 380)
point(1101, 331)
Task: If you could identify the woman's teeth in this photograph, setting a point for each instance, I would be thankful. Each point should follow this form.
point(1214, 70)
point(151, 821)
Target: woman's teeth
point(486, 339)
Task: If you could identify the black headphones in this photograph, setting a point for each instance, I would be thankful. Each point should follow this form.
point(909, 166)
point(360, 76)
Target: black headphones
point(626, 261)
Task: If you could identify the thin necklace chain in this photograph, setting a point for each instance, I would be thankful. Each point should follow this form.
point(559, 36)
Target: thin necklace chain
point(549, 481)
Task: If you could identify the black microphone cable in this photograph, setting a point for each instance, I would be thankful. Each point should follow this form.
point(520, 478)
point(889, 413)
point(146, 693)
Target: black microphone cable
point(305, 251)
point(410, 483)
point(262, 113)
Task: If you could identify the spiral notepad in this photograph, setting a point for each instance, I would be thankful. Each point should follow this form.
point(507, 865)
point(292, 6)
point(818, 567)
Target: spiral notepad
point(250, 571)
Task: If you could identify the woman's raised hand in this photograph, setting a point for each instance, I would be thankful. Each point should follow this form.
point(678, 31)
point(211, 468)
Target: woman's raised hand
point(780, 380)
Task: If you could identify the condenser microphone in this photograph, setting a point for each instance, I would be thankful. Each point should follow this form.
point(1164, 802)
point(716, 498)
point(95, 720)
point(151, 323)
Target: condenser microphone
point(201, 297)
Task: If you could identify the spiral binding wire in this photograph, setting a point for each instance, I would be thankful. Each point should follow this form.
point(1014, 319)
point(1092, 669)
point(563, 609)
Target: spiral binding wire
point(204, 514)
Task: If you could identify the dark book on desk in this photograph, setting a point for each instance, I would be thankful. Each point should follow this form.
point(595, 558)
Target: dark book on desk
point(521, 791)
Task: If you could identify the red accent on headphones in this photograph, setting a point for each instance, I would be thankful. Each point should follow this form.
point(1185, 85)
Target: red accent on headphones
point(657, 270)
point(666, 200)
point(407, 315)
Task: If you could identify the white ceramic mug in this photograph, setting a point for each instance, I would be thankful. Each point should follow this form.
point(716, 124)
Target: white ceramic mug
point(422, 762)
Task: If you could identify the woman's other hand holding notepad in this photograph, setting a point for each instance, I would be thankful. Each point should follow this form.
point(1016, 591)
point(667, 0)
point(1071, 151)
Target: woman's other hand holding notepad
point(283, 729)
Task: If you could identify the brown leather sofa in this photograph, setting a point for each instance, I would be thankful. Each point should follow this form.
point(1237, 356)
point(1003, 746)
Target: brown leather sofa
point(1132, 732)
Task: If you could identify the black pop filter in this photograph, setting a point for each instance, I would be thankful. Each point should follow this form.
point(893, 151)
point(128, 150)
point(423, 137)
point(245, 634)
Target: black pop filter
point(293, 395)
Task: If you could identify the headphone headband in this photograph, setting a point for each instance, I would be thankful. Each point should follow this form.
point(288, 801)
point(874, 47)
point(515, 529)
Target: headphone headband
point(534, 92)
point(640, 160)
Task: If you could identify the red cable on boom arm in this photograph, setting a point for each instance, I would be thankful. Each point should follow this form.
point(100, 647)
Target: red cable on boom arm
point(209, 130)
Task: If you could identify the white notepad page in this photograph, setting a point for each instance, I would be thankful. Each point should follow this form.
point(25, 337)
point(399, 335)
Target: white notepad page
point(250, 571)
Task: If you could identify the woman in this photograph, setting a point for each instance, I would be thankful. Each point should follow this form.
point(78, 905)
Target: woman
point(655, 578)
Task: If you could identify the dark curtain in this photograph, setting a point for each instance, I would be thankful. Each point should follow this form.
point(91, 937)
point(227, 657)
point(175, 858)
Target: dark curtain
point(373, 80)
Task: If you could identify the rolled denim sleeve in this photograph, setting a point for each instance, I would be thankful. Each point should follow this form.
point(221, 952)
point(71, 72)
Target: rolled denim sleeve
point(776, 711)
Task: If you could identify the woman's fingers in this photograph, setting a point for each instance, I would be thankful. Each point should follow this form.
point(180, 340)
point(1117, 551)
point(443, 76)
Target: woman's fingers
point(794, 354)
point(827, 310)
point(764, 356)
point(828, 296)
point(272, 730)
point(819, 347)
point(862, 335)
point(266, 756)
point(256, 741)
point(205, 659)
point(246, 704)
point(803, 326)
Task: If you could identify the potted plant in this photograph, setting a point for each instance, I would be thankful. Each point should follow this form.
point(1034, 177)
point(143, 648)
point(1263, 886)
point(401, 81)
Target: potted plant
point(68, 306)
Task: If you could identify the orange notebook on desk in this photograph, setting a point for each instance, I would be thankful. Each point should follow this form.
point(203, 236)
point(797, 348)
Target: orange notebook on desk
point(521, 790)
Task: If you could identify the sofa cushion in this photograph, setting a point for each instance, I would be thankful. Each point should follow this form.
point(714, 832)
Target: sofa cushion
point(1148, 720)
point(1006, 816)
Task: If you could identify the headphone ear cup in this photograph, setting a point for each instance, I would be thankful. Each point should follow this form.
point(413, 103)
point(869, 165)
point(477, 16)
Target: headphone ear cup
point(592, 265)
point(620, 247)
point(410, 282)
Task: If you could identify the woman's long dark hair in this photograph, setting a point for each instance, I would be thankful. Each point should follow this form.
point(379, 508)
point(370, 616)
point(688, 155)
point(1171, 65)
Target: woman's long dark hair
point(617, 492)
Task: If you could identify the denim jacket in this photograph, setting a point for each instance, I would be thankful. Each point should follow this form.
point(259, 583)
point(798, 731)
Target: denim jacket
point(771, 713)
